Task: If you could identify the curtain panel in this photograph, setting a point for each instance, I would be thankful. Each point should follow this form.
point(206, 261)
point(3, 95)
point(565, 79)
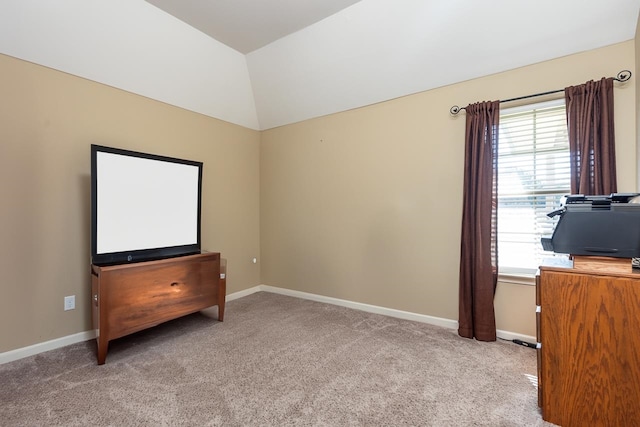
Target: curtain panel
point(591, 137)
point(479, 248)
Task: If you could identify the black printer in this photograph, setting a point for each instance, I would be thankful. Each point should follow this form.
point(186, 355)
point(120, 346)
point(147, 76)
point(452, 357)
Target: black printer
point(597, 226)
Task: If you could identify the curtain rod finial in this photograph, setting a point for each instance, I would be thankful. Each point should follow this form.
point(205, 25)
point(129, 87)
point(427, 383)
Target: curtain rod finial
point(455, 110)
point(623, 76)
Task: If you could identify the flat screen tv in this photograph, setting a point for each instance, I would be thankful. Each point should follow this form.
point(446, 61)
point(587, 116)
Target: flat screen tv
point(143, 206)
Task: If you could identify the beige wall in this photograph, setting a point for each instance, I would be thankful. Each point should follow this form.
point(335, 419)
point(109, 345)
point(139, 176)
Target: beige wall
point(365, 205)
point(48, 120)
point(362, 205)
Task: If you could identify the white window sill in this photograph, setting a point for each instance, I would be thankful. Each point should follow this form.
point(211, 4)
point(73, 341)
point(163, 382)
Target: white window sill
point(518, 279)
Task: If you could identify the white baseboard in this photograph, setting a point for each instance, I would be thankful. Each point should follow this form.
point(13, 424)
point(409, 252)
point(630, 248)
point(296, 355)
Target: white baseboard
point(506, 335)
point(32, 350)
point(243, 293)
point(406, 315)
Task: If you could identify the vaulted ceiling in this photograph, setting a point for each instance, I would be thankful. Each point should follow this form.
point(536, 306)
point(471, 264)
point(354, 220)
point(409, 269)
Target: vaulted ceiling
point(262, 64)
point(248, 25)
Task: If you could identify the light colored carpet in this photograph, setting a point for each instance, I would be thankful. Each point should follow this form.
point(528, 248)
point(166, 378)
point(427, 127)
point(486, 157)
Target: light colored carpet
point(277, 361)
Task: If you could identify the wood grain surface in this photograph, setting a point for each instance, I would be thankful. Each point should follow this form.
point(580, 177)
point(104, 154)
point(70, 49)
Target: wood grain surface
point(590, 348)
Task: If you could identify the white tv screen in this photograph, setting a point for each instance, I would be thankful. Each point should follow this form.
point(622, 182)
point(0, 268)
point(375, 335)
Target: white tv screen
point(143, 206)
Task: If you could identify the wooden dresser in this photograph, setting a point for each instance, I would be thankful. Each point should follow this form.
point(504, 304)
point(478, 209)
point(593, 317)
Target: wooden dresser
point(588, 326)
point(130, 297)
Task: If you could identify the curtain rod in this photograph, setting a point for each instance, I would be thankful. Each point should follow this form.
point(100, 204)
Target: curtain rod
point(622, 76)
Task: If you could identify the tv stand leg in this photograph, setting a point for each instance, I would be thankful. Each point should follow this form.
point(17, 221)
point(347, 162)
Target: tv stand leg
point(103, 346)
point(222, 293)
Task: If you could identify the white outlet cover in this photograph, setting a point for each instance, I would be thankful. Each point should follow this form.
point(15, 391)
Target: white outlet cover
point(70, 303)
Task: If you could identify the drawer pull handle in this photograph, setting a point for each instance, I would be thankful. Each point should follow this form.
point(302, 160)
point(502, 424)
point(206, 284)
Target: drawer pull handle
point(175, 284)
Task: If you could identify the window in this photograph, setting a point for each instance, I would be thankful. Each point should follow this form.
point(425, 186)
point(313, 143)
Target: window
point(533, 175)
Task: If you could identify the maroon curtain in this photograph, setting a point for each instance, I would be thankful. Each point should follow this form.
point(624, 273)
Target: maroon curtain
point(591, 137)
point(479, 247)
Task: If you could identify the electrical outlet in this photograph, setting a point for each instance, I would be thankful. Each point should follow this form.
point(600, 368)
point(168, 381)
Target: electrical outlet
point(69, 303)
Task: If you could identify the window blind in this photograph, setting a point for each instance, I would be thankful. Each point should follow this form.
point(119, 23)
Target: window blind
point(533, 175)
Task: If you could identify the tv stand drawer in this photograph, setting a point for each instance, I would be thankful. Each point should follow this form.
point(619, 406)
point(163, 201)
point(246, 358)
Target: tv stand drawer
point(132, 297)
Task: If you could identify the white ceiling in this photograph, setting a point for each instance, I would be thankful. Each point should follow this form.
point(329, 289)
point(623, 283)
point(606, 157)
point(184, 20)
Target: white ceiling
point(247, 25)
point(308, 58)
point(320, 56)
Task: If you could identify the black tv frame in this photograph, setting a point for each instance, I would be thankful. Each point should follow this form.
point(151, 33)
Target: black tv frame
point(129, 256)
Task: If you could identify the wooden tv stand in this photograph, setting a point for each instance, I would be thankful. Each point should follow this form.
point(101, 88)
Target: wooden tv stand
point(128, 298)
